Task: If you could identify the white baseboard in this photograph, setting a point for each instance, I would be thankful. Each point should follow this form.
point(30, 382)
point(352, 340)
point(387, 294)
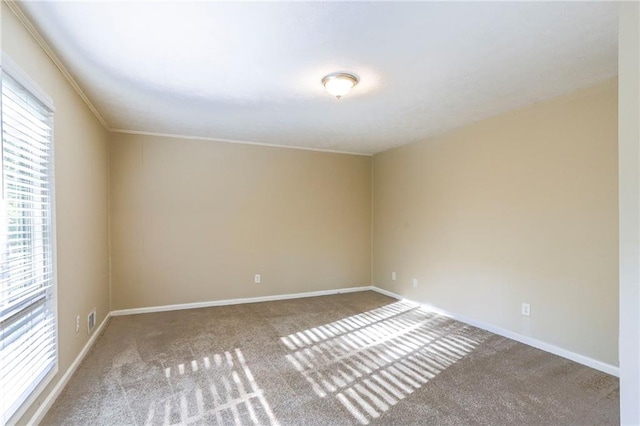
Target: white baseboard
point(227, 302)
point(55, 392)
point(581, 359)
point(547, 347)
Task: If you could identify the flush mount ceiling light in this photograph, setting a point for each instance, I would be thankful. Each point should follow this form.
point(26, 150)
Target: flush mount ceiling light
point(339, 84)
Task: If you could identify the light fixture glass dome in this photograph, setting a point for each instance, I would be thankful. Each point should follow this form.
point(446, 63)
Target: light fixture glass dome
point(339, 84)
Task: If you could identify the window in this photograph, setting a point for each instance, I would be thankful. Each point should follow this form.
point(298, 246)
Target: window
point(28, 345)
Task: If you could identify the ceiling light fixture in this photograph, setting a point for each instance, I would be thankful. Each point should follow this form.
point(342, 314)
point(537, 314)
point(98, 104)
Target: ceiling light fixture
point(339, 84)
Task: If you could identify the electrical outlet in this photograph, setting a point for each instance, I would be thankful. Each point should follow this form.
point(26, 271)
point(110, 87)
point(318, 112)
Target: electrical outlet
point(256, 279)
point(91, 321)
point(526, 309)
point(393, 276)
point(77, 323)
point(415, 282)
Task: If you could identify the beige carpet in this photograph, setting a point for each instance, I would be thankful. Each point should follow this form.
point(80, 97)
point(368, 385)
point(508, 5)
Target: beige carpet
point(358, 358)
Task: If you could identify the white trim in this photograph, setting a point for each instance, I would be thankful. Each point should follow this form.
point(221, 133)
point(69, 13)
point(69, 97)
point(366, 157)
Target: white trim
point(27, 403)
point(205, 138)
point(547, 347)
point(14, 71)
point(24, 20)
point(53, 395)
point(226, 302)
point(387, 293)
point(55, 392)
point(9, 66)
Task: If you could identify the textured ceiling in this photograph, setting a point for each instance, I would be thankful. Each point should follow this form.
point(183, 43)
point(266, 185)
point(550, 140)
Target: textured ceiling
point(252, 71)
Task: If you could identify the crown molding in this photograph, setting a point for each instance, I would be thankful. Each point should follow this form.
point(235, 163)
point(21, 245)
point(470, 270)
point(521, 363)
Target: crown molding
point(28, 25)
point(24, 20)
point(234, 141)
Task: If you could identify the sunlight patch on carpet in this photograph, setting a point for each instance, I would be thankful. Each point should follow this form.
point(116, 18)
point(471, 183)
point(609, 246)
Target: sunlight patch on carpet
point(371, 361)
point(219, 388)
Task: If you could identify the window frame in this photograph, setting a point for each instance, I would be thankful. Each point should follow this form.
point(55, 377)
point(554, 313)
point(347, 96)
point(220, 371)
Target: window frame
point(9, 67)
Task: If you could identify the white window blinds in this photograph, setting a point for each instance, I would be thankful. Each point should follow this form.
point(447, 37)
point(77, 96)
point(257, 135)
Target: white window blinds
point(28, 351)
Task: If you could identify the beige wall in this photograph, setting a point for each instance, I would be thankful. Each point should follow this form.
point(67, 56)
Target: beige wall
point(81, 173)
point(194, 220)
point(517, 208)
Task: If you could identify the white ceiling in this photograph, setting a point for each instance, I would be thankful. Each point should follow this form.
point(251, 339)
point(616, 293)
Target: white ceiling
point(252, 71)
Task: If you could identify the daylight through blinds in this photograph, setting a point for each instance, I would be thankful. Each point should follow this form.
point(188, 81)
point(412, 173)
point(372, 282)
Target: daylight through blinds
point(27, 305)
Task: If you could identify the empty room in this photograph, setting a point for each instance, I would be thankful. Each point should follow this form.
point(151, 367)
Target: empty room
point(327, 213)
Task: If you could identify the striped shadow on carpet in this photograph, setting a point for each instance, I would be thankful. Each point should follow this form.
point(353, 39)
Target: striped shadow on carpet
point(349, 359)
point(233, 397)
point(370, 361)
